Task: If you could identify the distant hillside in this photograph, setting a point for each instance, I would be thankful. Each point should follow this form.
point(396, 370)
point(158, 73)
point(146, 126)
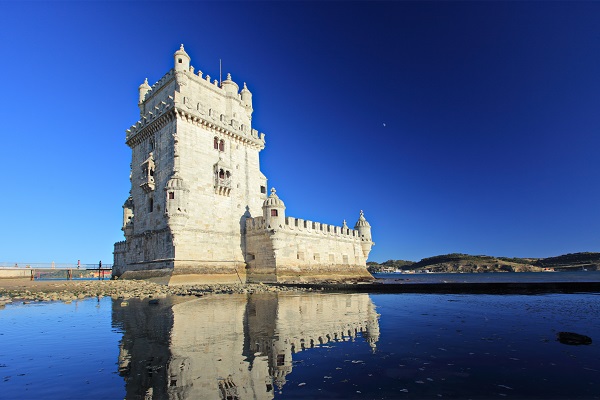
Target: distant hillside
point(589, 261)
point(457, 262)
point(389, 265)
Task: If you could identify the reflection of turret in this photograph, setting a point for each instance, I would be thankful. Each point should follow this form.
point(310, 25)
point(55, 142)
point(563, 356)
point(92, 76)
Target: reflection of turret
point(372, 332)
point(280, 364)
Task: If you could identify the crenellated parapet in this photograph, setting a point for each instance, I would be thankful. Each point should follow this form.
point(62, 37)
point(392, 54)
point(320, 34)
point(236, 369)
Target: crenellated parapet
point(218, 106)
point(120, 246)
point(293, 224)
point(150, 122)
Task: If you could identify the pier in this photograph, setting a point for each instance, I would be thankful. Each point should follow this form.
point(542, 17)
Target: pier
point(54, 270)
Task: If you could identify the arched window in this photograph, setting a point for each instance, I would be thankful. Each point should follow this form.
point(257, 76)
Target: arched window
point(227, 174)
point(221, 174)
point(222, 145)
point(216, 143)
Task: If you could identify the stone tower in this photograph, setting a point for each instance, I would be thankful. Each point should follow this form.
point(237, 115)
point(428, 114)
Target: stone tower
point(195, 177)
point(197, 190)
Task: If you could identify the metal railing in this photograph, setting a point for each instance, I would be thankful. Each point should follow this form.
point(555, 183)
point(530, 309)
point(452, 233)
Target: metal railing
point(52, 265)
point(55, 270)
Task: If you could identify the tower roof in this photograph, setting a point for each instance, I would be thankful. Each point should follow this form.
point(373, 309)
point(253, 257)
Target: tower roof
point(245, 89)
point(361, 221)
point(273, 200)
point(181, 52)
point(145, 85)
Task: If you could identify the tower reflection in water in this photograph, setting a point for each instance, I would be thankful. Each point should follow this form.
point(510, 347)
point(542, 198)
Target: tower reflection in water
point(234, 346)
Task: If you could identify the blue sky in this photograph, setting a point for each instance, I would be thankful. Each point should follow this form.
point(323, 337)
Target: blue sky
point(468, 127)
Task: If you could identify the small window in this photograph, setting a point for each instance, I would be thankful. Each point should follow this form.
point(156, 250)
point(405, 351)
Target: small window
point(273, 213)
point(180, 61)
point(216, 143)
point(221, 174)
point(171, 195)
point(222, 145)
point(263, 189)
point(151, 205)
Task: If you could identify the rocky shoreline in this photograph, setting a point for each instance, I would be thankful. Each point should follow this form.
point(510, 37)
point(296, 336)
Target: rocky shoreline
point(67, 291)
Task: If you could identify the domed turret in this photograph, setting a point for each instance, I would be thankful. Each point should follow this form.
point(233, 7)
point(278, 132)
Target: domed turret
point(128, 217)
point(231, 88)
point(274, 210)
point(143, 89)
point(246, 98)
point(182, 60)
point(364, 232)
point(175, 190)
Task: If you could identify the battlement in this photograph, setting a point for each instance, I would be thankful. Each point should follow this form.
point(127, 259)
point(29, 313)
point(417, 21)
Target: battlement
point(219, 106)
point(302, 225)
point(160, 83)
point(150, 117)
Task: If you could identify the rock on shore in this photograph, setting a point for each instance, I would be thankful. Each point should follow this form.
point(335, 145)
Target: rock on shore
point(117, 289)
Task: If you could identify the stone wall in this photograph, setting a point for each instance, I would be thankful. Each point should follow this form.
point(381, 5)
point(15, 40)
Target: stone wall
point(302, 250)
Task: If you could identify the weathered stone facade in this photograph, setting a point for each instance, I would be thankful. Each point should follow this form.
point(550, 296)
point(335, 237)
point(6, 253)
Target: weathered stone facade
point(198, 209)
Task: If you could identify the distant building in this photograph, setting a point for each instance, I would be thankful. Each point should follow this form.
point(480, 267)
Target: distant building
point(198, 209)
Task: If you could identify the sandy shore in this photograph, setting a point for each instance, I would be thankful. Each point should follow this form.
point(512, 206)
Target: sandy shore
point(25, 290)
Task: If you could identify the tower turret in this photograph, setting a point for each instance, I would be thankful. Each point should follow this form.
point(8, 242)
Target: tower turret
point(364, 231)
point(143, 89)
point(128, 213)
point(176, 197)
point(231, 88)
point(182, 60)
point(246, 99)
point(274, 210)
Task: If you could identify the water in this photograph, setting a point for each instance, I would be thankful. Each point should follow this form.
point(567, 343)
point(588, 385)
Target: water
point(298, 346)
point(506, 277)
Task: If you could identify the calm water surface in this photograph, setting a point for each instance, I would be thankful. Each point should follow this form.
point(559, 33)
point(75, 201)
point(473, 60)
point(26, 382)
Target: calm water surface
point(264, 346)
point(510, 277)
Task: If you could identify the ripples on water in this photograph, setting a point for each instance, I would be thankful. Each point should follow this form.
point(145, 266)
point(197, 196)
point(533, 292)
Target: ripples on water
point(387, 346)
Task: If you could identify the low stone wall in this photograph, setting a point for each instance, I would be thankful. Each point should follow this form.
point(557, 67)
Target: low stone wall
point(14, 273)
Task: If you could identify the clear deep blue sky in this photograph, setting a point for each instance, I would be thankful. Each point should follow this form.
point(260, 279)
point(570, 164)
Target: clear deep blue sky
point(468, 127)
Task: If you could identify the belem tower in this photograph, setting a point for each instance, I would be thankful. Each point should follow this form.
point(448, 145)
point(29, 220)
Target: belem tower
point(199, 209)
